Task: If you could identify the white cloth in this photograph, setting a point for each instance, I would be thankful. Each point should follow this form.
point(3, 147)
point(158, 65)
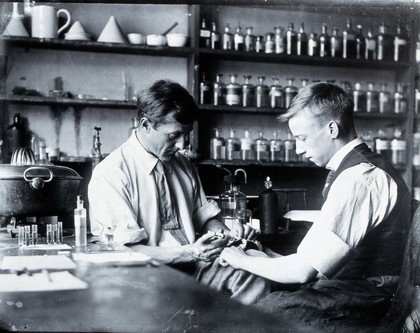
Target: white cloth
point(123, 191)
point(360, 198)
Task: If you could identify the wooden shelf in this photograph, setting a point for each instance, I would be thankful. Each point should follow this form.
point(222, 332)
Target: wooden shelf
point(258, 163)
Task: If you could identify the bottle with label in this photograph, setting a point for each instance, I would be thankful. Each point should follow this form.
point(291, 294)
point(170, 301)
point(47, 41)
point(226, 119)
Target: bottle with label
point(135, 125)
point(227, 40)
point(359, 98)
point(383, 145)
point(268, 207)
point(290, 91)
point(398, 148)
point(290, 40)
point(15, 134)
point(370, 46)
point(301, 41)
point(360, 43)
point(336, 44)
point(249, 40)
point(372, 99)
point(217, 146)
point(233, 91)
point(324, 42)
point(205, 33)
point(233, 146)
point(400, 101)
point(349, 41)
point(219, 91)
point(261, 93)
point(232, 203)
point(80, 227)
point(205, 91)
point(385, 44)
point(401, 46)
point(248, 95)
point(238, 39)
point(276, 94)
point(276, 148)
point(261, 147)
point(290, 149)
point(214, 37)
point(385, 105)
point(247, 147)
point(269, 44)
point(312, 45)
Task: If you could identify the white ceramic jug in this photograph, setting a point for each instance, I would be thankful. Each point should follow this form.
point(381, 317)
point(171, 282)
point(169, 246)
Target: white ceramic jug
point(45, 21)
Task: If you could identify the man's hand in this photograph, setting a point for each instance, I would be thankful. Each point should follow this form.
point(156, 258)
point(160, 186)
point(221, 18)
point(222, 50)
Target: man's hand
point(231, 256)
point(244, 231)
point(209, 246)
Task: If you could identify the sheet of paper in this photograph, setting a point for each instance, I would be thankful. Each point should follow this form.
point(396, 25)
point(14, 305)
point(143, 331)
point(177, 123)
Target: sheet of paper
point(47, 247)
point(303, 215)
point(111, 257)
point(40, 282)
point(33, 263)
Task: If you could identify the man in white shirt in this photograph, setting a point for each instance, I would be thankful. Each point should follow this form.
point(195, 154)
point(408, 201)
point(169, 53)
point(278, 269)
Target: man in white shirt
point(360, 233)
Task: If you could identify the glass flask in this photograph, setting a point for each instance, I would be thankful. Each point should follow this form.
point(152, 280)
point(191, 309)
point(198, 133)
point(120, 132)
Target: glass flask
point(360, 43)
point(249, 40)
point(214, 37)
point(238, 39)
point(227, 39)
point(312, 45)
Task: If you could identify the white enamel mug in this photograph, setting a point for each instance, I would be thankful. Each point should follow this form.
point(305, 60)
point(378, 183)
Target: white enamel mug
point(45, 21)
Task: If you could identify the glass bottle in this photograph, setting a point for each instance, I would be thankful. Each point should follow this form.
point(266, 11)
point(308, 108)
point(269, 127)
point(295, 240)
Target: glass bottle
point(261, 147)
point(400, 101)
point(233, 91)
point(323, 42)
point(232, 203)
point(214, 37)
point(304, 82)
point(336, 44)
point(290, 40)
point(247, 147)
point(401, 46)
point(276, 94)
point(43, 156)
point(360, 43)
point(372, 99)
point(15, 134)
point(269, 43)
point(349, 41)
point(417, 94)
point(248, 95)
point(268, 206)
point(301, 41)
point(249, 40)
point(290, 149)
point(370, 46)
point(233, 146)
point(259, 44)
point(134, 126)
point(383, 145)
point(238, 39)
point(35, 146)
point(217, 144)
point(359, 98)
point(312, 45)
point(80, 226)
point(276, 148)
point(204, 40)
point(227, 38)
point(219, 91)
point(261, 93)
point(384, 100)
point(205, 91)
point(398, 148)
point(385, 44)
point(290, 91)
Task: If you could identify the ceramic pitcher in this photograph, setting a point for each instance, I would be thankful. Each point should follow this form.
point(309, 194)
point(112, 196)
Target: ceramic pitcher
point(45, 21)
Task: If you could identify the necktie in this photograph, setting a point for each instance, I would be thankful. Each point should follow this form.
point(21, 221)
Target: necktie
point(329, 180)
point(167, 205)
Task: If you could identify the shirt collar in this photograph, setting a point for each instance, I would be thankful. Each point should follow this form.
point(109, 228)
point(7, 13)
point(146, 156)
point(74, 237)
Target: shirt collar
point(338, 157)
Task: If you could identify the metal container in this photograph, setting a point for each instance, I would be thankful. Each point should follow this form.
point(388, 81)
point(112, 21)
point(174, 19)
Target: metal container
point(37, 190)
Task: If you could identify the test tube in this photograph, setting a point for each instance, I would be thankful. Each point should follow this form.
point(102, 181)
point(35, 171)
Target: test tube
point(49, 235)
point(21, 235)
point(27, 236)
point(54, 233)
point(59, 233)
point(34, 238)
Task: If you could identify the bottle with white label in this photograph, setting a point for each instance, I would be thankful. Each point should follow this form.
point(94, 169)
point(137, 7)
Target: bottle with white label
point(233, 91)
point(238, 39)
point(204, 39)
point(80, 227)
point(400, 101)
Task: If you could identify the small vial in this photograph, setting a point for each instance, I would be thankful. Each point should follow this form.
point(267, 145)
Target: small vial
point(54, 233)
point(21, 235)
point(27, 236)
point(34, 234)
point(49, 234)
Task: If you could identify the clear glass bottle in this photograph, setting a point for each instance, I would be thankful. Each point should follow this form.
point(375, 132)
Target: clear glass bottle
point(134, 126)
point(336, 44)
point(349, 41)
point(290, 91)
point(80, 226)
point(261, 147)
point(249, 40)
point(217, 146)
point(238, 39)
point(269, 43)
point(261, 93)
point(279, 40)
point(233, 146)
point(400, 100)
point(276, 148)
point(247, 147)
point(383, 145)
point(290, 40)
point(370, 46)
point(385, 44)
point(219, 91)
point(301, 41)
point(233, 91)
point(227, 38)
point(259, 44)
point(276, 94)
point(312, 45)
point(35, 146)
point(324, 42)
point(290, 149)
point(232, 203)
point(359, 98)
point(303, 82)
point(398, 148)
point(205, 91)
point(385, 105)
point(43, 156)
point(401, 46)
point(372, 99)
point(248, 95)
point(204, 39)
point(360, 43)
point(214, 37)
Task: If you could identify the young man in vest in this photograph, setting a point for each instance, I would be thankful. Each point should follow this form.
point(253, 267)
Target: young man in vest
point(348, 264)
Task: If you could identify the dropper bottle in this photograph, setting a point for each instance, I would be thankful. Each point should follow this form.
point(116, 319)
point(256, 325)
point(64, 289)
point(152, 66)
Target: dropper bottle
point(80, 228)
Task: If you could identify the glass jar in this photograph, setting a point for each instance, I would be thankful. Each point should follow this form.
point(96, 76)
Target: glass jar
point(276, 94)
point(269, 43)
point(383, 145)
point(290, 91)
point(233, 91)
point(312, 45)
point(372, 99)
point(370, 46)
point(217, 146)
point(219, 91)
point(247, 147)
point(359, 98)
point(205, 91)
point(400, 101)
point(384, 100)
point(248, 95)
point(238, 39)
point(360, 43)
point(233, 146)
point(261, 93)
point(401, 46)
point(261, 147)
point(214, 37)
point(398, 148)
point(276, 148)
point(290, 149)
point(227, 39)
point(259, 44)
point(249, 40)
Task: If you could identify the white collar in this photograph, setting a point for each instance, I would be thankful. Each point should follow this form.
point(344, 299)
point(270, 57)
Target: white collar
point(338, 157)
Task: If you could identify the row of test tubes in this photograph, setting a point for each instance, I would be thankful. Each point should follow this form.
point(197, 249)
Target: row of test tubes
point(28, 234)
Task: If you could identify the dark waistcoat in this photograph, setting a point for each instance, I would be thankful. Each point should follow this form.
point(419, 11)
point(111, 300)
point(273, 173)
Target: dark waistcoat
point(381, 251)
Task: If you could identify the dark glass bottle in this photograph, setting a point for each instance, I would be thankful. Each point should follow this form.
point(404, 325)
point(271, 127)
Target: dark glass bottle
point(336, 44)
point(291, 40)
point(205, 91)
point(248, 95)
point(323, 42)
point(360, 43)
point(261, 93)
point(227, 39)
point(214, 37)
point(249, 40)
point(312, 45)
point(15, 134)
point(385, 44)
point(385, 105)
point(372, 99)
point(238, 39)
point(401, 46)
point(204, 34)
point(268, 206)
point(301, 41)
point(219, 91)
point(359, 98)
point(290, 91)
point(370, 46)
point(349, 42)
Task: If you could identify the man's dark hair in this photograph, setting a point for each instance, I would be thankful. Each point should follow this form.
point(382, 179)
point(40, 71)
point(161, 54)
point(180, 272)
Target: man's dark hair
point(166, 97)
